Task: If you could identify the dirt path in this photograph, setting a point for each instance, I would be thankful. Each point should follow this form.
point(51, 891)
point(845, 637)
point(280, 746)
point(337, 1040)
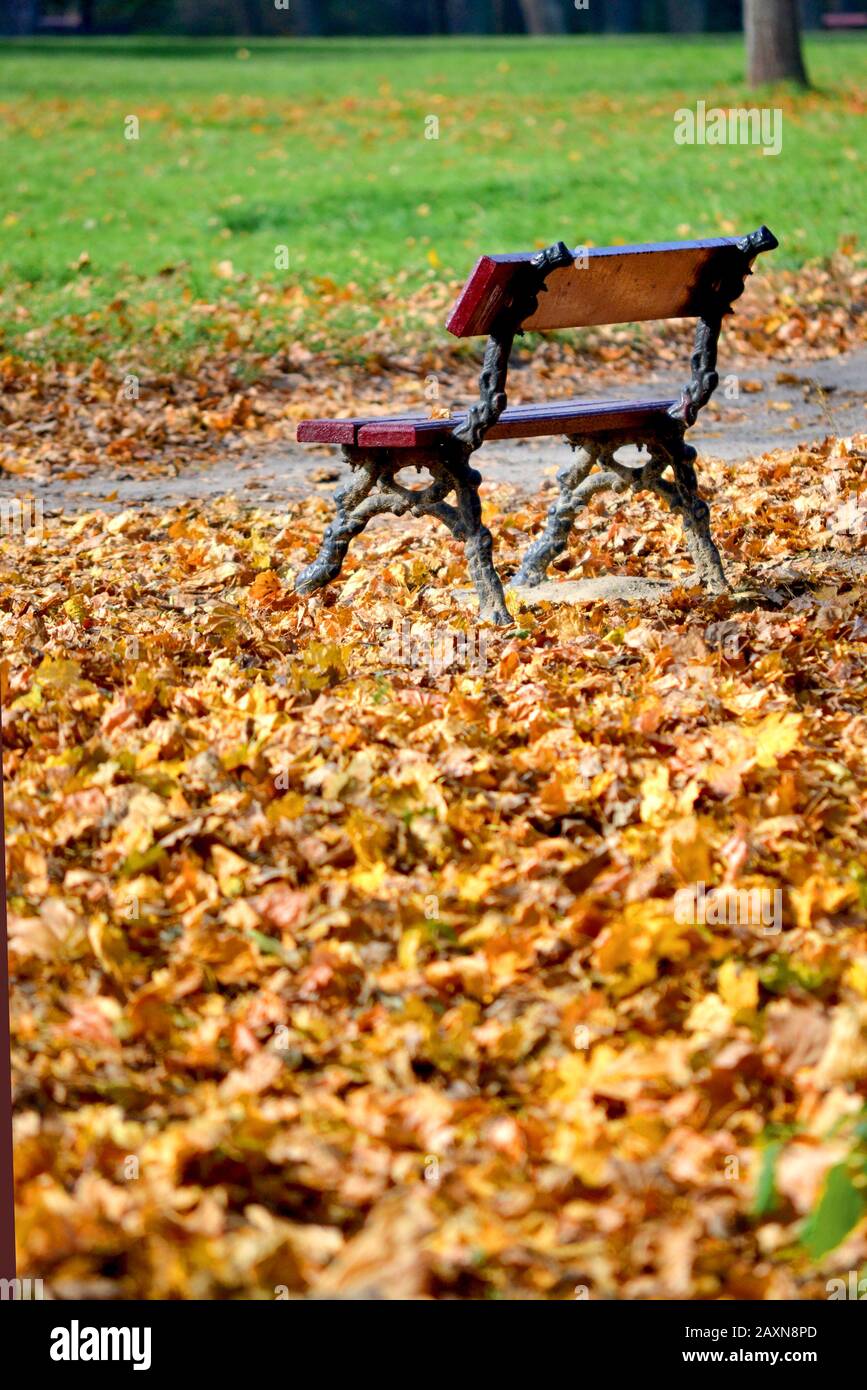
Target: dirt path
point(776, 406)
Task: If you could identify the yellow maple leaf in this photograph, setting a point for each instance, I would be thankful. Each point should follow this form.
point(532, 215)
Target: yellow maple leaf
point(631, 949)
point(776, 736)
point(266, 587)
point(738, 986)
point(229, 868)
point(656, 798)
point(76, 608)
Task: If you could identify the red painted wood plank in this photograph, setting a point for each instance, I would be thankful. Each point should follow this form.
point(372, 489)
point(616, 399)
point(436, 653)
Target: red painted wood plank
point(327, 431)
point(519, 422)
point(618, 284)
point(484, 294)
point(340, 431)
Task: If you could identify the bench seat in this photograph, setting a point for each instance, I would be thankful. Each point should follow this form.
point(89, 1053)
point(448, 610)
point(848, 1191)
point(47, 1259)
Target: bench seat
point(516, 422)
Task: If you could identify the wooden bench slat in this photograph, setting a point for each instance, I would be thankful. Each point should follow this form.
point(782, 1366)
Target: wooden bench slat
point(619, 284)
point(343, 431)
point(517, 422)
point(330, 431)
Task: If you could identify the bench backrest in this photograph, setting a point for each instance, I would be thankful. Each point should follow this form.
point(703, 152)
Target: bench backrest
point(606, 284)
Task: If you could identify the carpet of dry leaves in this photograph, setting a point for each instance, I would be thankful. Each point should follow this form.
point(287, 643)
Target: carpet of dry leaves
point(66, 420)
point(338, 975)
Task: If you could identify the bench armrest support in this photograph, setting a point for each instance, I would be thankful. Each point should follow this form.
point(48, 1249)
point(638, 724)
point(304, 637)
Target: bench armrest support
point(719, 298)
point(705, 378)
point(482, 416)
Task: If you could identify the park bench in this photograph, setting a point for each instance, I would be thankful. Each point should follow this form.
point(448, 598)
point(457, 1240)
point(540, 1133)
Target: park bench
point(555, 288)
point(846, 20)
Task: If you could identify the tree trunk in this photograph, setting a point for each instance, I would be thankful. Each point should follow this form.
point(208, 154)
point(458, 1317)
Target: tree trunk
point(308, 18)
point(439, 23)
point(19, 17)
point(499, 9)
point(773, 35)
point(687, 16)
point(543, 16)
point(251, 11)
point(623, 16)
point(467, 16)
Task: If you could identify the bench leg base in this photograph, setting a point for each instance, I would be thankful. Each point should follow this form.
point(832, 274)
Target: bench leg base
point(578, 484)
point(351, 518)
point(695, 515)
point(373, 491)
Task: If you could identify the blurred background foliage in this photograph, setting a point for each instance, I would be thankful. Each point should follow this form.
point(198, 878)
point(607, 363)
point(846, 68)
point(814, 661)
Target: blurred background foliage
point(379, 17)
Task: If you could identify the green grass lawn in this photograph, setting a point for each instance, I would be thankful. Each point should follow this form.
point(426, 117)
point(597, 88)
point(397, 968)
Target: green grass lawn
point(167, 243)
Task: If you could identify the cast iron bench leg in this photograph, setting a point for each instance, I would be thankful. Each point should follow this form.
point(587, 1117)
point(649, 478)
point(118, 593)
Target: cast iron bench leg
point(348, 522)
point(695, 515)
point(376, 491)
point(682, 496)
point(464, 520)
point(578, 484)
